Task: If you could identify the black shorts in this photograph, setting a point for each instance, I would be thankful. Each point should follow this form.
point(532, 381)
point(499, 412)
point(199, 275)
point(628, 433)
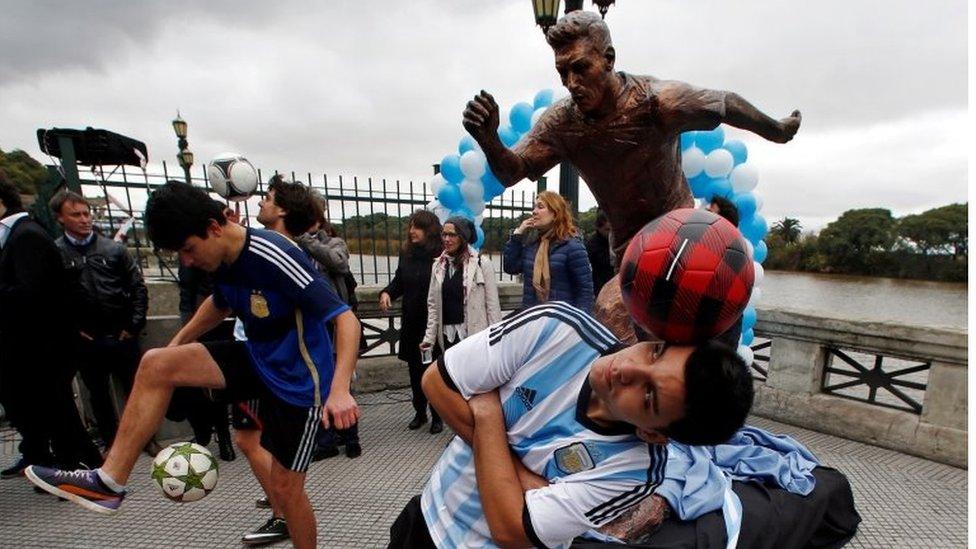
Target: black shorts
point(410, 529)
point(287, 431)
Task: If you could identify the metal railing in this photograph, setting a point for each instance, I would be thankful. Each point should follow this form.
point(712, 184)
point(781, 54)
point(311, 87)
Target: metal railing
point(869, 377)
point(370, 214)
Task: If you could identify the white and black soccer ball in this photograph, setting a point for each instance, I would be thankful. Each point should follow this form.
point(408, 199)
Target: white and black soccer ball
point(184, 472)
point(232, 176)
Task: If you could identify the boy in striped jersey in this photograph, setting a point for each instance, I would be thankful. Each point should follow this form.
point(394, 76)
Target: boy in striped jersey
point(561, 428)
point(284, 304)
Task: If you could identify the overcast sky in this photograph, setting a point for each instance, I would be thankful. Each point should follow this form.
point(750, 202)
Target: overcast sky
point(376, 88)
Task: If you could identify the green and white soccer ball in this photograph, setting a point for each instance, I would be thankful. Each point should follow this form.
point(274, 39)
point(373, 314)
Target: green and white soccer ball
point(185, 472)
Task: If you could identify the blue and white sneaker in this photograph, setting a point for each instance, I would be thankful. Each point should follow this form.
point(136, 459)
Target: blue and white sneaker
point(82, 487)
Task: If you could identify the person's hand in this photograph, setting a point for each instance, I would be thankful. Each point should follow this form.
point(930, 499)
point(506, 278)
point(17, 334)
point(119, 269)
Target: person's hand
point(124, 335)
point(527, 224)
point(789, 126)
point(384, 301)
point(85, 336)
point(232, 215)
point(480, 117)
point(340, 411)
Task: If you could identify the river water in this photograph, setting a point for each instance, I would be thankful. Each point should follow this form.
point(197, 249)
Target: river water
point(910, 302)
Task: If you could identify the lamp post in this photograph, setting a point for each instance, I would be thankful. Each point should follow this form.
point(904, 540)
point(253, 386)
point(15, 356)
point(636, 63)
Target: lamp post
point(185, 156)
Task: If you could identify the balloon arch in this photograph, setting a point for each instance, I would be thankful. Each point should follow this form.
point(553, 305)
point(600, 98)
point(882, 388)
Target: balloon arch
point(713, 165)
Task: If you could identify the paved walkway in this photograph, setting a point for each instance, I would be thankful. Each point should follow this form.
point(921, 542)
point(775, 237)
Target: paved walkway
point(904, 501)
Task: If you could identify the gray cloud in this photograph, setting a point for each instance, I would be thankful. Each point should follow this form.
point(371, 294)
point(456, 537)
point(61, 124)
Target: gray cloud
point(376, 88)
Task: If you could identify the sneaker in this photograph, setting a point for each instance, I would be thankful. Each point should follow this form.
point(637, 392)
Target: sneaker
point(262, 503)
point(353, 450)
point(82, 487)
point(272, 531)
point(15, 470)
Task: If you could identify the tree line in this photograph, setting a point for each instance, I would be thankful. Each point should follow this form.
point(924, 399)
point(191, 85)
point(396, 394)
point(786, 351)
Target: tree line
point(932, 245)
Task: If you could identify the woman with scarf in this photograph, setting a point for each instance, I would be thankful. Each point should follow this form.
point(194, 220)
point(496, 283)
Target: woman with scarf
point(411, 282)
point(546, 250)
point(463, 295)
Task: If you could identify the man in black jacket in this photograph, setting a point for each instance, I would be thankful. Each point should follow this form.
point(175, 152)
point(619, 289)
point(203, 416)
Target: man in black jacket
point(112, 302)
point(35, 373)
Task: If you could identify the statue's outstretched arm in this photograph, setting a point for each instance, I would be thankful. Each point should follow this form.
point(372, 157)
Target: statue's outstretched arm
point(742, 114)
point(481, 121)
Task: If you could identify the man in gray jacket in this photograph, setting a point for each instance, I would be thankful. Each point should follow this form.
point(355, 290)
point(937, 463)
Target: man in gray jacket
point(112, 300)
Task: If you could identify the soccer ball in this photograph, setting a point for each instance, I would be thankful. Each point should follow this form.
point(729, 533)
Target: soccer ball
point(184, 472)
point(686, 276)
point(232, 176)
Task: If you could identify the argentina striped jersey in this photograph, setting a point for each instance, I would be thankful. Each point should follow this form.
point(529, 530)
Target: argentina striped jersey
point(539, 361)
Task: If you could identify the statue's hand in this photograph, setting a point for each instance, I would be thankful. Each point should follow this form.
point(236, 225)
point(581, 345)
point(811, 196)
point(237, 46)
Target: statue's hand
point(481, 117)
point(789, 126)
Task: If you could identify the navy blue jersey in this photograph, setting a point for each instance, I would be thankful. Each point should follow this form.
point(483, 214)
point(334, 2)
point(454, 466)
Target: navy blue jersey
point(284, 304)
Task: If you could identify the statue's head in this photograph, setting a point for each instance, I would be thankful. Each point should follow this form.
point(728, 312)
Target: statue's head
point(584, 57)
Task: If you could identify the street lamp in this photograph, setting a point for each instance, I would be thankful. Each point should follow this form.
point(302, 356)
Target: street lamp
point(546, 12)
point(185, 157)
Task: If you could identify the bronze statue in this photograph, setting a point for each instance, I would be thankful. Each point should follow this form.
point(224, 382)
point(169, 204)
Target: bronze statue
point(621, 131)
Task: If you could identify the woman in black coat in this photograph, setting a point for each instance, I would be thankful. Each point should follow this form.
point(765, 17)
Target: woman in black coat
point(412, 281)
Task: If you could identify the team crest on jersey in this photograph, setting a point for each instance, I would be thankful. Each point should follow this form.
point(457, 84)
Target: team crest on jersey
point(259, 305)
point(574, 458)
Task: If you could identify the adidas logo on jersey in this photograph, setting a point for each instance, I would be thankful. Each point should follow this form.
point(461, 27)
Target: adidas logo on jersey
point(526, 395)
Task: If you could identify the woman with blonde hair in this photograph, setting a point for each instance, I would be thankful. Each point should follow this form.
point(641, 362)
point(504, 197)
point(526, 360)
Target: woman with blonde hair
point(546, 250)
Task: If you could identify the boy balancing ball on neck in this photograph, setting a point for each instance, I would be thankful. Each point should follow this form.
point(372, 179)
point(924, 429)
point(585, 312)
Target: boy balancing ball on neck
point(561, 428)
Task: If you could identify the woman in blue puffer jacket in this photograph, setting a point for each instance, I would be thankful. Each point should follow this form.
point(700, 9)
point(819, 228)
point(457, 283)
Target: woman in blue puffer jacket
point(552, 260)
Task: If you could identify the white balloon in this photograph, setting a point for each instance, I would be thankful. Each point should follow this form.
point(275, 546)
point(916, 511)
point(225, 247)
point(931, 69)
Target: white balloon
point(433, 205)
point(755, 296)
point(538, 114)
point(759, 202)
point(442, 213)
point(437, 183)
point(760, 273)
point(692, 161)
point(477, 208)
point(478, 219)
point(473, 164)
point(746, 353)
point(749, 247)
point(473, 191)
point(744, 177)
point(719, 163)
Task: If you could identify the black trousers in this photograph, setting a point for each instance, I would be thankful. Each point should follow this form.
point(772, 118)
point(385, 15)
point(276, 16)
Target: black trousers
point(100, 359)
point(420, 405)
point(38, 397)
point(410, 529)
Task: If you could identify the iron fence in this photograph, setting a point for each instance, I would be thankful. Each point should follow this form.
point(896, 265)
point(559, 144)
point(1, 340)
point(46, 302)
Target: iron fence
point(369, 213)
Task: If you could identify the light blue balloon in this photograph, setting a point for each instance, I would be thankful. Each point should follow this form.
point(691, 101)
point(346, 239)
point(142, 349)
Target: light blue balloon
point(450, 196)
point(467, 144)
point(451, 170)
point(746, 204)
point(738, 149)
point(760, 251)
point(521, 117)
point(464, 212)
point(748, 318)
point(754, 228)
point(699, 185)
point(508, 136)
point(542, 99)
point(480, 237)
point(747, 337)
point(710, 140)
point(492, 186)
point(688, 139)
point(719, 186)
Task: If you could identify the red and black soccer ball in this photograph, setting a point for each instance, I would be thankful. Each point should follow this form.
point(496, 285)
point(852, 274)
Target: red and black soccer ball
point(686, 276)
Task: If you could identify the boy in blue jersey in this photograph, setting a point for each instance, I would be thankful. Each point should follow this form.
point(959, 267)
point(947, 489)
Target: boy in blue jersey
point(561, 428)
point(284, 304)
